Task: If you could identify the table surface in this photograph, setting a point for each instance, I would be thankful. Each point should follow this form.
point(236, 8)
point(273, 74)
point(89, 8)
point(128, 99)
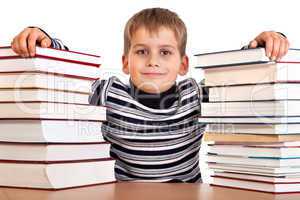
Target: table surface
point(142, 191)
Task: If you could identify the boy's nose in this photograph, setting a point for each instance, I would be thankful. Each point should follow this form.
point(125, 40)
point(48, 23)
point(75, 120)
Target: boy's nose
point(153, 61)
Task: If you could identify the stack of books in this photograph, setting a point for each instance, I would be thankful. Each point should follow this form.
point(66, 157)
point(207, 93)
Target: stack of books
point(253, 117)
point(50, 137)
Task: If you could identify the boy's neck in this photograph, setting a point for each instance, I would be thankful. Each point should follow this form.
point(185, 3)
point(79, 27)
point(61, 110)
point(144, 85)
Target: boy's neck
point(161, 100)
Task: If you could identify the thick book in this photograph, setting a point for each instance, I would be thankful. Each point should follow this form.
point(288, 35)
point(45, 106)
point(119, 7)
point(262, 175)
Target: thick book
point(250, 138)
point(53, 153)
point(278, 129)
point(268, 179)
point(254, 151)
point(238, 57)
point(50, 131)
point(257, 170)
point(254, 161)
point(58, 175)
point(42, 95)
point(51, 61)
point(262, 186)
point(45, 81)
point(49, 110)
point(55, 54)
point(249, 120)
point(255, 92)
point(280, 108)
point(252, 74)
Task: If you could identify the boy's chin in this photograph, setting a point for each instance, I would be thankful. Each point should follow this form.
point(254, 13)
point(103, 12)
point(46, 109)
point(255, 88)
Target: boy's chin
point(155, 88)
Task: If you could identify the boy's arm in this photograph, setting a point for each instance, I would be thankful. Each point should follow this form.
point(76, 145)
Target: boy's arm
point(25, 42)
point(275, 43)
point(55, 43)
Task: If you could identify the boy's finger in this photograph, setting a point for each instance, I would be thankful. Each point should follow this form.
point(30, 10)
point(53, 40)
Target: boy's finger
point(46, 42)
point(287, 46)
point(13, 46)
point(281, 50)
point(275, 50)
point(269, 46)
point(22, 43)
point(253, 44)
point(32, 38)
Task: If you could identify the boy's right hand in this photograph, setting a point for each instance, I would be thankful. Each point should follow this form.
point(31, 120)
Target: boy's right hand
point(25, 42)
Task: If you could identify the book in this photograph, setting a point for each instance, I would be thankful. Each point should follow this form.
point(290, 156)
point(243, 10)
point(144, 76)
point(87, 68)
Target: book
point(258, 170)
point(254, 151)
point(51, 61)
point(42, 95)
point(249, 120)
point(32, 80)
point(6, 52)
point(238, 57)
point(58, 175)
point(249, 138)
point(50, 131)
point(280, 108)
point(252, 74)
point(278, 129)
point(53, 153)
point(255, 92)
point(263, 186)
point(254, 161)
point(276, 144)
point(49, 110)
point(268, 179)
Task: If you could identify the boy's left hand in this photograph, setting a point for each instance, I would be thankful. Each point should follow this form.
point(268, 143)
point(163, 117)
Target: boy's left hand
point(276, 45)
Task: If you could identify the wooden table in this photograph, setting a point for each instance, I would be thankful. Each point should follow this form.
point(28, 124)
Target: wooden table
point(142, 191)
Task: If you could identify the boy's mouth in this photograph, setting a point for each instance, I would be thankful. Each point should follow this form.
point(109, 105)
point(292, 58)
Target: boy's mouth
point(153, 74)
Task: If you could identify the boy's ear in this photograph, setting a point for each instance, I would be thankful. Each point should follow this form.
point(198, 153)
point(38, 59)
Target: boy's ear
point(184, 67)
point(125, 64)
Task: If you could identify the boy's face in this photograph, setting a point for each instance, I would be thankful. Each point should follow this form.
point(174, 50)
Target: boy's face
point(154, 60)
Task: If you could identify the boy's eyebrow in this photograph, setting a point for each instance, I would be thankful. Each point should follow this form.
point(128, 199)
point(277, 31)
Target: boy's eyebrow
point(144, 45)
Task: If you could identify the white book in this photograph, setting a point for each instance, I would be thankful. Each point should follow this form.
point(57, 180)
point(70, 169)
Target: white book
point(48, 66)
point(56, 176)
point(254, 161)
point(50, 131)
point(252, 74)
point(278, 129)
point(51, 153)
point(49, 110)
point(45, 81)
point(254, 151)
point(252, 109)
point(263, 170)
point(43, 95)
point(256, 185)
point(276, 144)
point(236, 170)
point(237, 57)
point(59, 54)
point(255, 92)
point(270, 179)
point(249, 120)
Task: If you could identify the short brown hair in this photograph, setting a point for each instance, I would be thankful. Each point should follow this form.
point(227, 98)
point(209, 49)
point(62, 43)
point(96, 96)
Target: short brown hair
point(153, 19)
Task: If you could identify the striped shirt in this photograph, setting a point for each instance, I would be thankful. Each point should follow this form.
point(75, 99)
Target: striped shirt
point(157, 145)
point(151, 144)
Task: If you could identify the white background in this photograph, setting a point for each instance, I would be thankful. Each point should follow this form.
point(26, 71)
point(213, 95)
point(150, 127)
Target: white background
point(97, 26)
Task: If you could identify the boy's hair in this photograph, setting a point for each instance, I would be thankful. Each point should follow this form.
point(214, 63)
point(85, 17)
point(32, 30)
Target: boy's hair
point(153, 19)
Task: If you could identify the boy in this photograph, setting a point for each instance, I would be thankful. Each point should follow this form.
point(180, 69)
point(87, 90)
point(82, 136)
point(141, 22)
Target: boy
point(152, 122)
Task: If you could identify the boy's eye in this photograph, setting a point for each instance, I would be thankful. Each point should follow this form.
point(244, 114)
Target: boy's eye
point(165, 52)
point(141, 52)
